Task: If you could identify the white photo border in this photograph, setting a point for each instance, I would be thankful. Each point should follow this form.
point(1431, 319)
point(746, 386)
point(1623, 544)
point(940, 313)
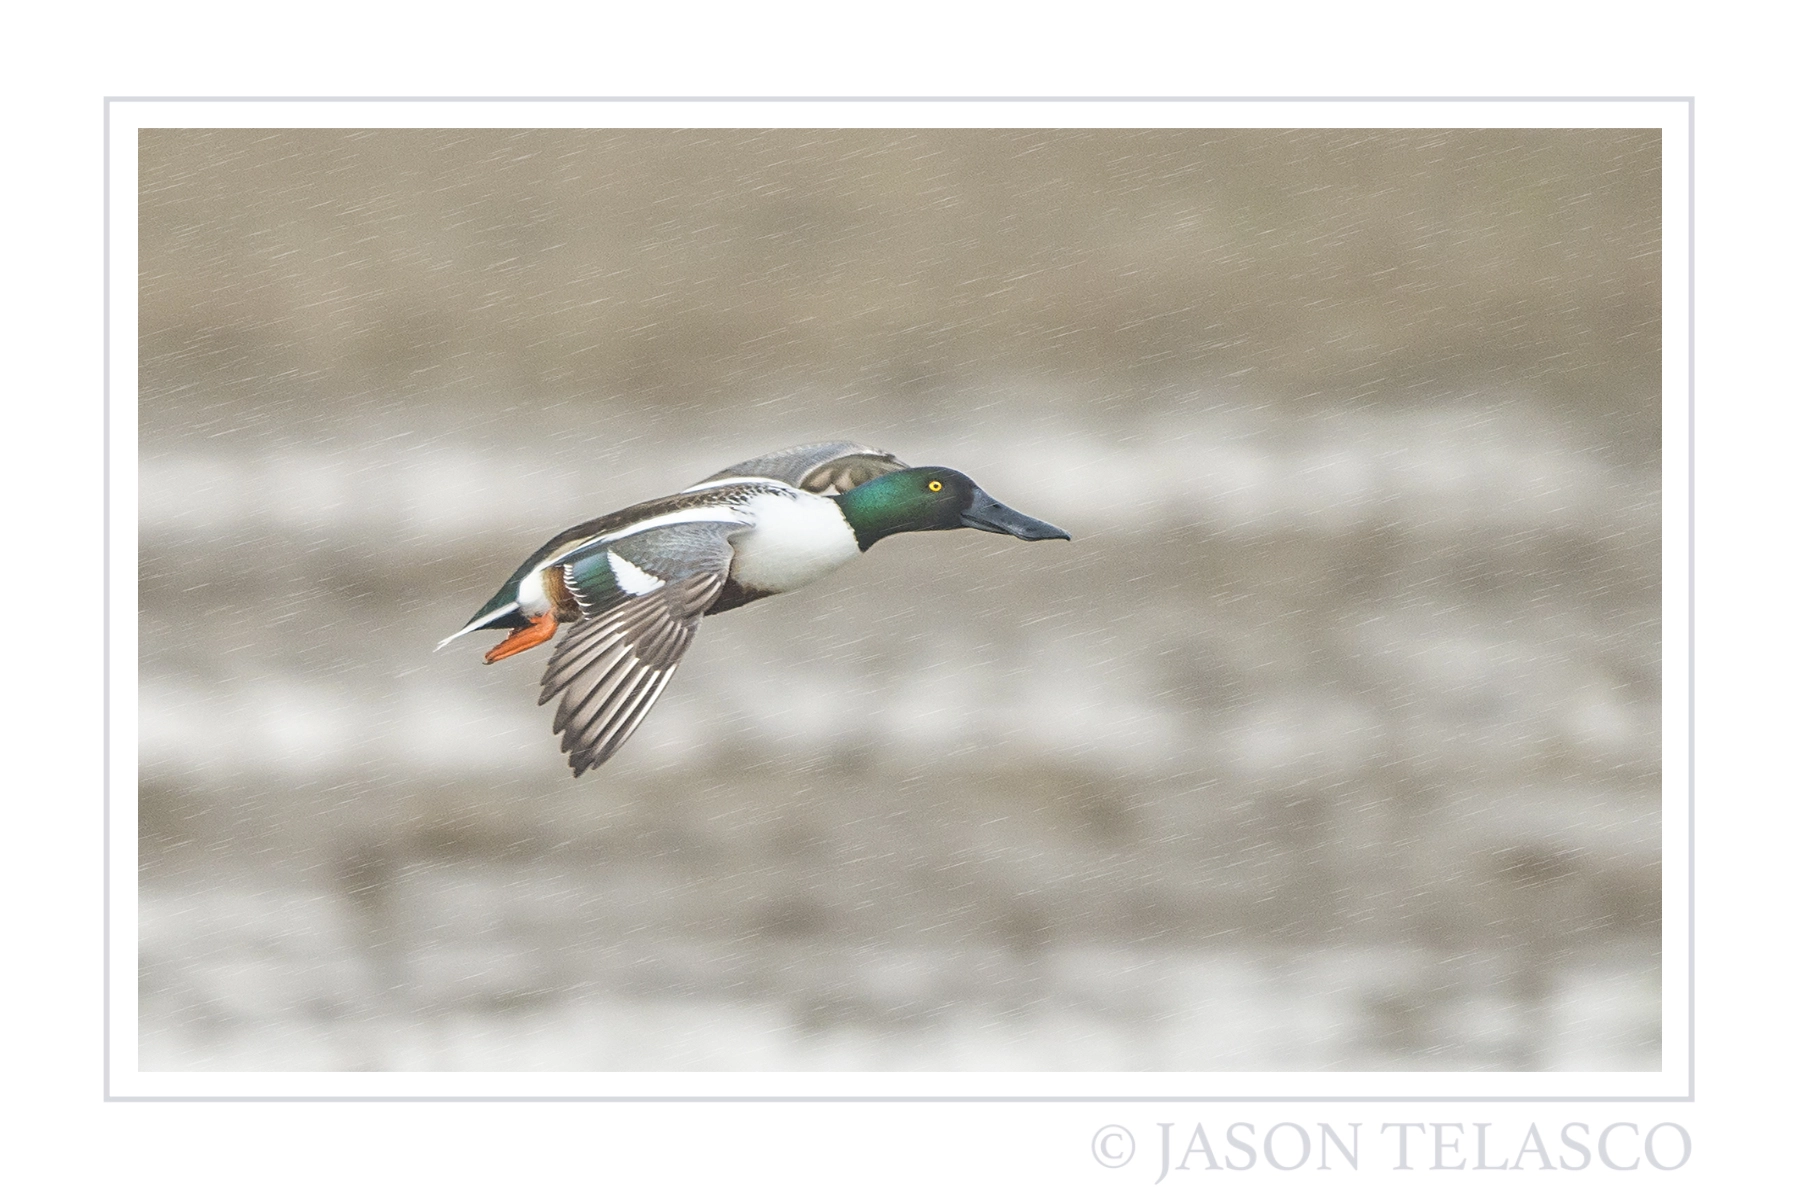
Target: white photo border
point(126, 116)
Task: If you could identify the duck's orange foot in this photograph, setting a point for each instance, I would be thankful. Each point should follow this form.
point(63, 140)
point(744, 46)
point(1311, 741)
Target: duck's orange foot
point(541, 630)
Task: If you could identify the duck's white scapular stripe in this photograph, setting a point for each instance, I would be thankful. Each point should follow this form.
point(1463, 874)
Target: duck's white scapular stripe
point(731, 481)
point(631, 577)
point(728, 516)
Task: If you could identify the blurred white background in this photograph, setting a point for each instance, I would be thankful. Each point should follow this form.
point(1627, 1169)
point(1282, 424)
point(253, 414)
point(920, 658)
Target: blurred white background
point(1331, 742)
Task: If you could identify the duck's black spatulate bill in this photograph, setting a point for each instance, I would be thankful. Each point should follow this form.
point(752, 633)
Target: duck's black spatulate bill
point(989, 515)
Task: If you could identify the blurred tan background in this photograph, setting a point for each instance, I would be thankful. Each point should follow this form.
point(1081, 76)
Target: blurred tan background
point(1331, 742)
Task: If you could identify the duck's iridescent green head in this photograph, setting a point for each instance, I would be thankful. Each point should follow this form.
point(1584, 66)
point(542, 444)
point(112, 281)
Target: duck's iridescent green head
point(923, 498)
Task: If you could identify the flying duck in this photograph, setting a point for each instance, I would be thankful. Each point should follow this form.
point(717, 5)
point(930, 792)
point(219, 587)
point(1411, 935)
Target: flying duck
point(630, 587)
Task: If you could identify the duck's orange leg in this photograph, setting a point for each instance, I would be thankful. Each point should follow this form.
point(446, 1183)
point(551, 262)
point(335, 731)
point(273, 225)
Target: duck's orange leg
point(541, 630)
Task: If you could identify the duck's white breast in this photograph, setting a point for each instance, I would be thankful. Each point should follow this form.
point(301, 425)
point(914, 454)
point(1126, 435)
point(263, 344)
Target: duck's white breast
point(796, 538)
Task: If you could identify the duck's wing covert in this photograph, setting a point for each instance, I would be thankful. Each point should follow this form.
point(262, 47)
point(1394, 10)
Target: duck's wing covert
point(819, 467)
point(642, 598)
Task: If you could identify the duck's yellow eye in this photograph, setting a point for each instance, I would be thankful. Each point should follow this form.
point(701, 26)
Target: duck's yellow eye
point(935, 486)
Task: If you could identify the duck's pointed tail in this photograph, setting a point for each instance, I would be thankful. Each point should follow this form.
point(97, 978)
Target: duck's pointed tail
point(481, 621)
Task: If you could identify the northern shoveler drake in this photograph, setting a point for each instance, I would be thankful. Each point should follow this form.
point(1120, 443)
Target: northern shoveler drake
point(632, 586)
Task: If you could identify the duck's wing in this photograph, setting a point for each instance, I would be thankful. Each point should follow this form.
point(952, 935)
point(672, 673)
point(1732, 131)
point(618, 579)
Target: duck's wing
point(641, 599)
point(819, 467)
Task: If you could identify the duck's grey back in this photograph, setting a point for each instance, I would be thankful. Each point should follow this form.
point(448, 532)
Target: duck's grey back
point(818, 467)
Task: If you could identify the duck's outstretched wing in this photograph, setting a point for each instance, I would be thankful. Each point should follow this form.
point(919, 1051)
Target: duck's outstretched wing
point(641, 599)
point(819, 467)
